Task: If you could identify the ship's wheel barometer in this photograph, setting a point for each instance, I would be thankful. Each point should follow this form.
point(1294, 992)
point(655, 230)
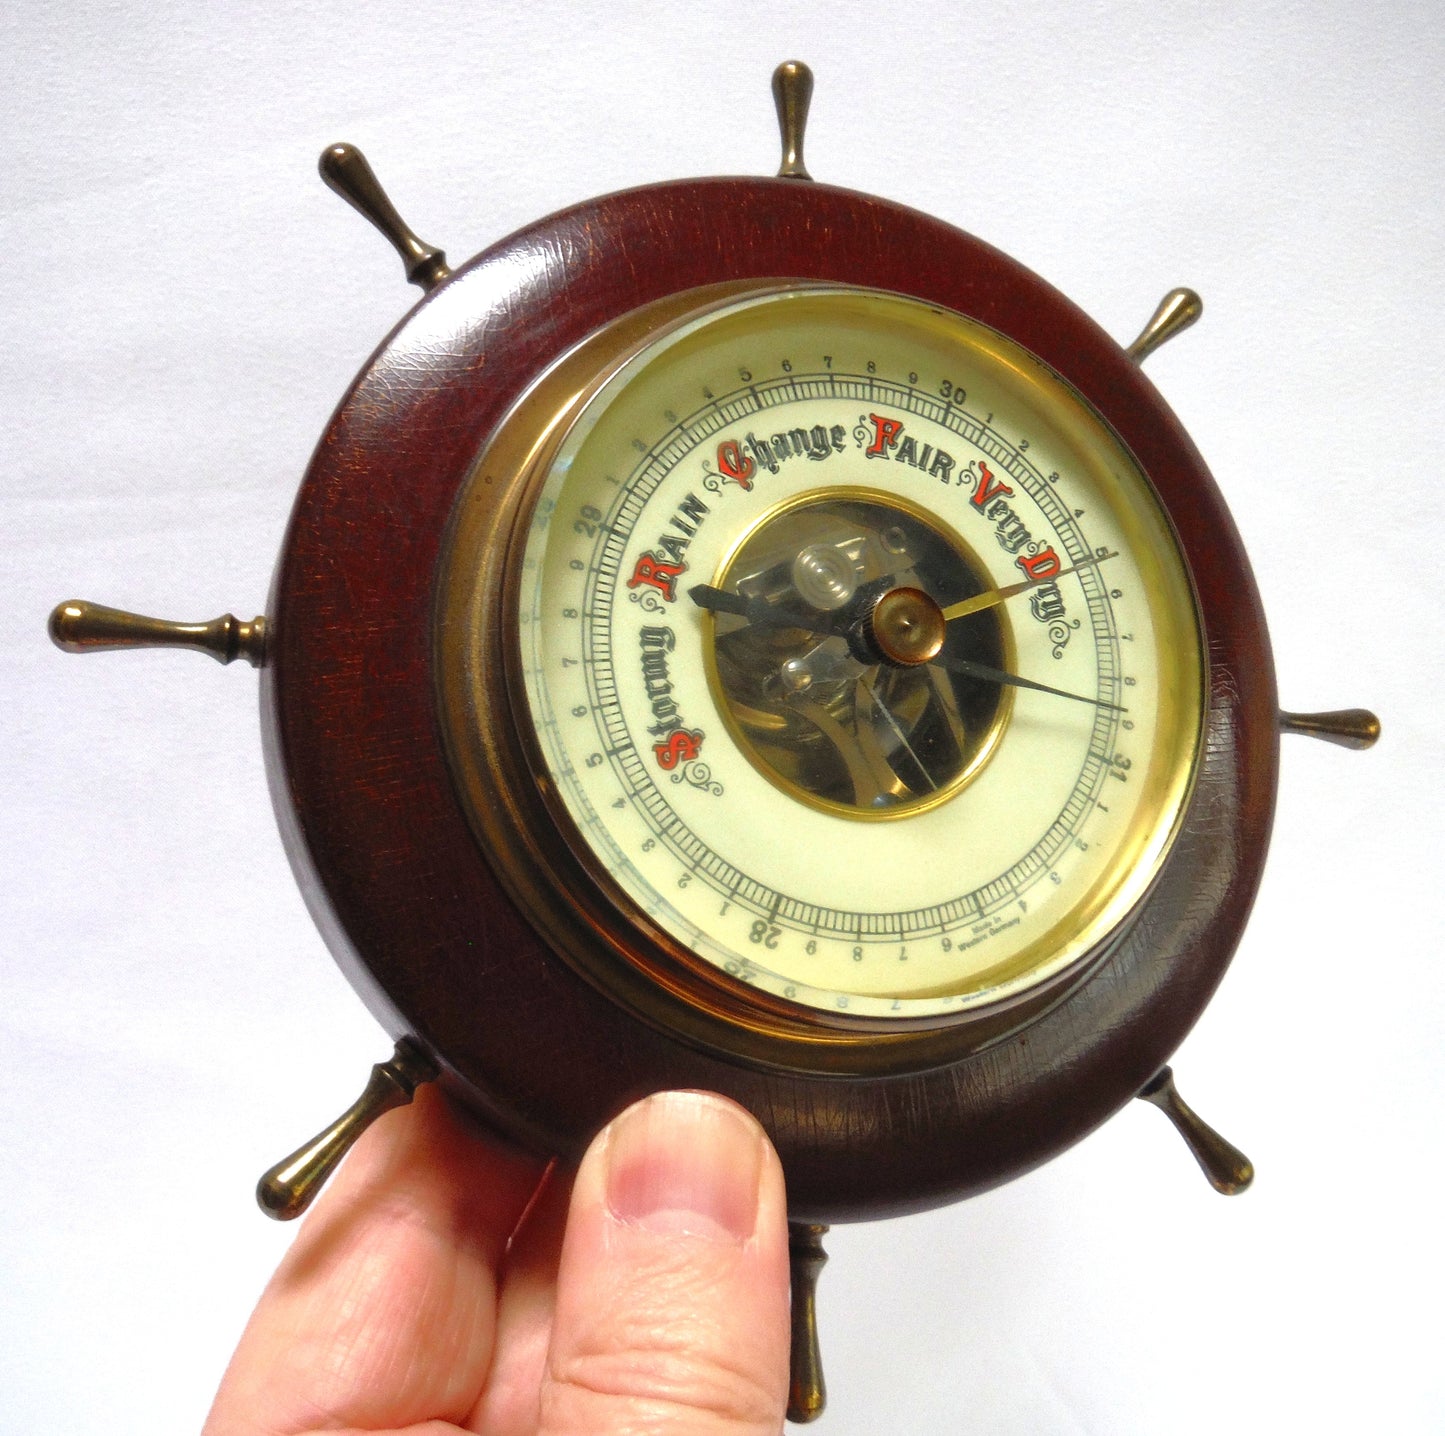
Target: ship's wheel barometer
point(748, 635)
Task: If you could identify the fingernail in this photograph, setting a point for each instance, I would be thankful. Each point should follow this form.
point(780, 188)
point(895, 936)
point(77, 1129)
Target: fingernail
point(685, 1162)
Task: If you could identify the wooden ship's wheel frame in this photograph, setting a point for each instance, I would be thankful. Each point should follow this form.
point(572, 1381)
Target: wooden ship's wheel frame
point(413, 905)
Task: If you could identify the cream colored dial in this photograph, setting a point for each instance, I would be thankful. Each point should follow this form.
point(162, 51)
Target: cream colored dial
point(859, 656)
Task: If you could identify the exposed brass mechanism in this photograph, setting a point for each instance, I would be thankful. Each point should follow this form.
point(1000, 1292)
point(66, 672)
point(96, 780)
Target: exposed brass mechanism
point(1228, 1169)
point(1176, 312)
point(81, 627)
point(345, 169)
point(792, 94)
point(288, 1188)
point(807, 1391)
point(1349, 727)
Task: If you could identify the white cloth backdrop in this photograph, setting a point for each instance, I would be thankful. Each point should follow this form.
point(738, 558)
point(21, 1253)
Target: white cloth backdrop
point(183, 303)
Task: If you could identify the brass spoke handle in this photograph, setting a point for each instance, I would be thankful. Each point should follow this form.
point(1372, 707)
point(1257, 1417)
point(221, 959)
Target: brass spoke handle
point(291, 1185)
point(348, 173)
point(807, 1391)
point(792, 94)
point(1229, 1171)
point(1176, 312)
point(1355, 728)
point(78, 626)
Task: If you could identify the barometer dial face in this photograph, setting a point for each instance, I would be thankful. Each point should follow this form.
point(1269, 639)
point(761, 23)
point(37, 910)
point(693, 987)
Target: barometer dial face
point(851, 654)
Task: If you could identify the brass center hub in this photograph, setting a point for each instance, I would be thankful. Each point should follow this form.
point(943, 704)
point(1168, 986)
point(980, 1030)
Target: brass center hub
point(907, 627)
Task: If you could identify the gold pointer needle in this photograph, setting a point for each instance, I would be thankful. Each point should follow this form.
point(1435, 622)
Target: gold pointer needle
point(970, 669)
point(981, 601)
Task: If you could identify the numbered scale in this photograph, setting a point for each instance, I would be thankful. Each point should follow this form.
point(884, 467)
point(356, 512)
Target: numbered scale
point(747, 635)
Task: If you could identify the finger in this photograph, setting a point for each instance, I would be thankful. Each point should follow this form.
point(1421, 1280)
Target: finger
point(672, 1298)
point(509, 1402)
point(382, 1313)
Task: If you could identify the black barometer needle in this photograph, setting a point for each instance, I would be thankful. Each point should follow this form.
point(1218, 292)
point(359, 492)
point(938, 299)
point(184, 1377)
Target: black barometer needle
point(984, 673)
point(760, 611)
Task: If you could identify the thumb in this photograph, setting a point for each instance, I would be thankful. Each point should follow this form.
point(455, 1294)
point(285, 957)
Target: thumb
point(672, 1296)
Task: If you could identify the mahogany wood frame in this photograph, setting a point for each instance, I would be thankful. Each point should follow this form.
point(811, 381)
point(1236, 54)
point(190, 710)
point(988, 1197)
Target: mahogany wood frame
point(385, 855)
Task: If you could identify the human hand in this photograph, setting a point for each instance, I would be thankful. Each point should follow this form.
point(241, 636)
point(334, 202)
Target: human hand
point(444, 1285)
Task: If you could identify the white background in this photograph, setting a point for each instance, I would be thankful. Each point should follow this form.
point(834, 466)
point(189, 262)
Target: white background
point(183, 303)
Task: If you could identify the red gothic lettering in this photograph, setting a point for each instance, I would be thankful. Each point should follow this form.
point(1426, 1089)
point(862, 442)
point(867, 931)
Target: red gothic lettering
point(734, 464)
point(662, 576)
point(885, 436)
point(988, 486)
point(681, 747)
point(1040, 565)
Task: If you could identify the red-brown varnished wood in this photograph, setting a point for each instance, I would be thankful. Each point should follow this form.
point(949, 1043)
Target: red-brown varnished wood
point(385, 855)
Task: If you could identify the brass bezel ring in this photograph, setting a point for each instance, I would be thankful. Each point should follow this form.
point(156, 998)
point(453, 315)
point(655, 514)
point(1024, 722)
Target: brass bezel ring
point(530, 839)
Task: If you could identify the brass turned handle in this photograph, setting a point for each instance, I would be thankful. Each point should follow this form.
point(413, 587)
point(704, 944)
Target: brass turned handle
point(1356, 728)
point(807, 1391)
point(1229, 1171)
point(290, 1186)
point(81, 627)
point(792, 94)
point(346, 171)
point(1176, 312)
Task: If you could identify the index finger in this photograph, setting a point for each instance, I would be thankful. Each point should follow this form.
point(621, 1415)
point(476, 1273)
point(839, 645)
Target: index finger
point(383, 1312)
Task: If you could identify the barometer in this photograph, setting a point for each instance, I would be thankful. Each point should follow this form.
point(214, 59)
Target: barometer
point(748, 635)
